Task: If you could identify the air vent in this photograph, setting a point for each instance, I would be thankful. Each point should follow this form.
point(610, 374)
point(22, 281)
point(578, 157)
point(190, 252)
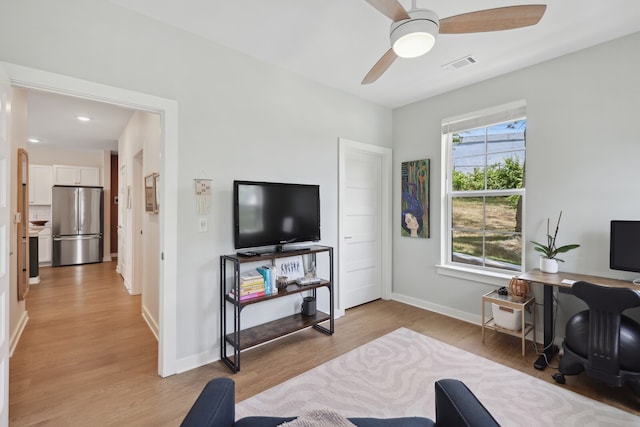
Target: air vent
point(460, 63)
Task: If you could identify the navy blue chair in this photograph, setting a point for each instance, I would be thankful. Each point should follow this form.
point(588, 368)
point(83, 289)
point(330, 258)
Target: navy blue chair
point(601, 341)
point(456, 406)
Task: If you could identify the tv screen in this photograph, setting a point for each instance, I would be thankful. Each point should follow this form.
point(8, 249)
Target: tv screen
point(625, 246)
point(269, 213)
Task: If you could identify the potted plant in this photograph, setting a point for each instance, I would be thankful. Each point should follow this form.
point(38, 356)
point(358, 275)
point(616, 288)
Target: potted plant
point(549, 262)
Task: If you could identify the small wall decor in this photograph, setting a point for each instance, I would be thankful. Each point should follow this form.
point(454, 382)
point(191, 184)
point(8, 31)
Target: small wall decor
point(203, 196)
point(291, 267)
point(150, 194)
point(156, 180)
point(415, 199)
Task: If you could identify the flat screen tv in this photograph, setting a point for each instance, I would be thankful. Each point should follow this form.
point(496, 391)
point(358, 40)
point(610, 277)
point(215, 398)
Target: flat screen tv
point(624, 252)
point(270, 213)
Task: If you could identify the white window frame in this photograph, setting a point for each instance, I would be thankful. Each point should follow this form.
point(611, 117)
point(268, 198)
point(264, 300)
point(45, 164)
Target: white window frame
point(482, 118)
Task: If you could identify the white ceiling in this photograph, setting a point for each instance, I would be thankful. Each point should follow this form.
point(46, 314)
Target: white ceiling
point(52, 119)
point(336, 42)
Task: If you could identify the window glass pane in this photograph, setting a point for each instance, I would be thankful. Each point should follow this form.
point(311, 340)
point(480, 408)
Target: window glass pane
point(503, 250)
point(505, 155)
point(467, 247)
point(502, 213)
point(506, 136)
point(468, 161)
point(468, 178)
point(505, 174)
point(467, 213)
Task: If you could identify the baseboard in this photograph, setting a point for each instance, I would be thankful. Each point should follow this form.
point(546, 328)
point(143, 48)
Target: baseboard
point(127, 285)
point(151, 322)
point(196, 361)
point(456, 314)
point(441, 309)
point(15, 336)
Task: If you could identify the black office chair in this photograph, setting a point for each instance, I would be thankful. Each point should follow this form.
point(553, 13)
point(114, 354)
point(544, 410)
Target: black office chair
point(601, 341)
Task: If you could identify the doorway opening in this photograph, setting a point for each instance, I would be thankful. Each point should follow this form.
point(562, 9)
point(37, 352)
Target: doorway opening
point(167, 109)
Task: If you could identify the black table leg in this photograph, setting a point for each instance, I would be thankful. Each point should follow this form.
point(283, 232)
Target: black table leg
point(549, 349)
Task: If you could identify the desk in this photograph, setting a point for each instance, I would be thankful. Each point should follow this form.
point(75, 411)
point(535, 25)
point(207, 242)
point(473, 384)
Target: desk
point(549, 280)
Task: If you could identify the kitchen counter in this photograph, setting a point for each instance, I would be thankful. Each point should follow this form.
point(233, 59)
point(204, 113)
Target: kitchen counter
point(35, 230)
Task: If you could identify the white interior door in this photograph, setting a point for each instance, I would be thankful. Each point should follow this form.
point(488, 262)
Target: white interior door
point(364, 223)
point(5, 227)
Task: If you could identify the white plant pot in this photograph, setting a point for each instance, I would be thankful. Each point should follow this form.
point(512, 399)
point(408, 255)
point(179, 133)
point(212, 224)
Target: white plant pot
point(548, 265)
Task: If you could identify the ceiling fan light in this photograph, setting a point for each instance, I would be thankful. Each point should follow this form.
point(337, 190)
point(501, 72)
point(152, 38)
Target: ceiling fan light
point(413, 45)
point(414, 37)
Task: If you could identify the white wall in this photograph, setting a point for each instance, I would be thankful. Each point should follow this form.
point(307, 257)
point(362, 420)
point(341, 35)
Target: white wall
point(41, 155)
point(143, 133)
point(582, 156)
point(238, 119)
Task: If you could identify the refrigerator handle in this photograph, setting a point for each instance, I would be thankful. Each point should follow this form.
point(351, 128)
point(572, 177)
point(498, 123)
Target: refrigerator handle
point(77, 225)
point(79, 237)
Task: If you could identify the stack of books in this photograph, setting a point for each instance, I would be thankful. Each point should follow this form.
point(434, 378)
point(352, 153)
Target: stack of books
point(252, 285)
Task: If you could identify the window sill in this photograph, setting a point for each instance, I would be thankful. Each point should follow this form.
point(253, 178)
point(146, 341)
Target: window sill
point(482, 276)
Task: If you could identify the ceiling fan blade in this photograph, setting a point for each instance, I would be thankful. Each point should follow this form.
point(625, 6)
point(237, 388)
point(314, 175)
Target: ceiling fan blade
point(390, 8)
point(502, 18)
point(380, 67)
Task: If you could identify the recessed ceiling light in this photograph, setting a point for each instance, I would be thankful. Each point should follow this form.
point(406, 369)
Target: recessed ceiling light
point(83, 118)
point(33, 140)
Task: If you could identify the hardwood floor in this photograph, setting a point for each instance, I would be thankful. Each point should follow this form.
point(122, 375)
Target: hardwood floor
point(87, 357)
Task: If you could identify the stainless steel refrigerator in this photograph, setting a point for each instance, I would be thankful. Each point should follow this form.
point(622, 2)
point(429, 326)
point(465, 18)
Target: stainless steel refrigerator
point(76, 225)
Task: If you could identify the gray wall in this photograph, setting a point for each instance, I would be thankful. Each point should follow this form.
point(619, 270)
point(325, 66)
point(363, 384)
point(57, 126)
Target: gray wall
point(582, 157)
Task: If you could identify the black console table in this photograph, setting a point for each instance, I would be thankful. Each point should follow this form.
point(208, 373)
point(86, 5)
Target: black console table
point(241, 339)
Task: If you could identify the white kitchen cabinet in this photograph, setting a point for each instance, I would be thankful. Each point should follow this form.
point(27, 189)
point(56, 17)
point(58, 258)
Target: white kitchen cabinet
point(40, 182)
point(44, 245)
point(76, 175)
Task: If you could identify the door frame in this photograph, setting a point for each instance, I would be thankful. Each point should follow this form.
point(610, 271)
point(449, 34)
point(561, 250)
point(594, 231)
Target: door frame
point(31, 78)
point(346, 146)
point(5, 244)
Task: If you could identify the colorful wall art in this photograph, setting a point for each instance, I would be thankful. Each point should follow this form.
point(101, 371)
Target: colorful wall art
point(415, 199)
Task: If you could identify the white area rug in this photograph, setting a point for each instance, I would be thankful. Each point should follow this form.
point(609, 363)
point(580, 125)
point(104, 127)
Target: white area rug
point(393, 376)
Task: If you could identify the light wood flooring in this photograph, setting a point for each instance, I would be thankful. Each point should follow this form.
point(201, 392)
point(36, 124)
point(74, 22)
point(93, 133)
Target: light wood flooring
point(87, 357)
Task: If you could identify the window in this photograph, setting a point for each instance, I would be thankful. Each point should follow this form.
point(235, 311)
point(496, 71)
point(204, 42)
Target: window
point(484, 186)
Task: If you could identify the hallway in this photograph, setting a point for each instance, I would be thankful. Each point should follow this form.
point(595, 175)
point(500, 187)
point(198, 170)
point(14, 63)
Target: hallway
point(85, 347)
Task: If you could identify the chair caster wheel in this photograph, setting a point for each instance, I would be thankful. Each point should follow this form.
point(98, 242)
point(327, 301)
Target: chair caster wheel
point(559, 378)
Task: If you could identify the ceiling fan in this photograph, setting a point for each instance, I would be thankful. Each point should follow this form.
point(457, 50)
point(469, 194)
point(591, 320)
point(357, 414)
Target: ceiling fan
point(414, 32)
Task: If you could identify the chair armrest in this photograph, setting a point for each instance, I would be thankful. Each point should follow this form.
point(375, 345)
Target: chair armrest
point(215, 406)
point(457, 406)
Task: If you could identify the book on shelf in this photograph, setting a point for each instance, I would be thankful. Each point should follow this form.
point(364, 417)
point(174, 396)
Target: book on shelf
point(250, 276)
point(250, 289)
point(269, 275)
point(246, 296)
point(259, 281)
